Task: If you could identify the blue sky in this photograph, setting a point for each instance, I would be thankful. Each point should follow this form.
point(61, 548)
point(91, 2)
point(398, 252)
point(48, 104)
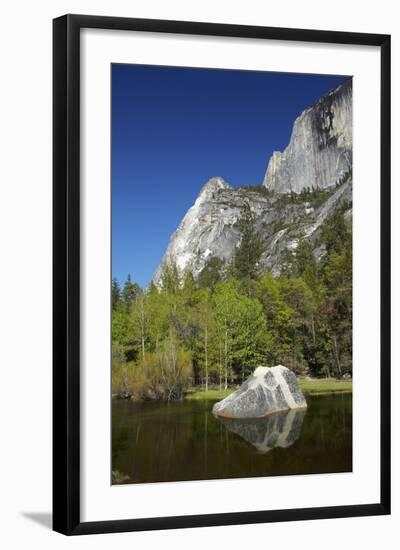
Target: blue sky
point(175, 128)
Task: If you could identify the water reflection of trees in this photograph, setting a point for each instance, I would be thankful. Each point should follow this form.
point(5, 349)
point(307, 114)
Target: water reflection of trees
point(158, 441)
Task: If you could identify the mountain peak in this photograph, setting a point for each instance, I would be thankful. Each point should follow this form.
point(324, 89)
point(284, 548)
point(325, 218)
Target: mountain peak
point(214, 184)
point(318, 157)
point(320, 149)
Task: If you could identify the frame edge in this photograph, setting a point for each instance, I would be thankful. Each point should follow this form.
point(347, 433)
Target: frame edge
point(66, 279)
point(66, 275)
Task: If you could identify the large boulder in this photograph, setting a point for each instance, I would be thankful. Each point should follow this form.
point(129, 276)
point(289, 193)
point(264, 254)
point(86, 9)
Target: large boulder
point(267, 390)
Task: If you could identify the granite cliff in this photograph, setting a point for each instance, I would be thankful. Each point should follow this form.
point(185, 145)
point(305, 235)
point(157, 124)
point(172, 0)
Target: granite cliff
point(320, 148)
point(303, 186)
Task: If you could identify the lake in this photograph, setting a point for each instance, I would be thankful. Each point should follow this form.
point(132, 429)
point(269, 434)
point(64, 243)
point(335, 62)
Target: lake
point(176, 441)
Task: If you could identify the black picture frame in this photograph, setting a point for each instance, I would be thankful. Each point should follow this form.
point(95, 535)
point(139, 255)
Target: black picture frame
point(66, 273)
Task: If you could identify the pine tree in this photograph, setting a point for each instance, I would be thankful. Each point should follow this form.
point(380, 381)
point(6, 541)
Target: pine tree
point(250, 249)
point(304, 258)
point(129, 293)
point(171, 278)
point(115, 293)
point(211, 273)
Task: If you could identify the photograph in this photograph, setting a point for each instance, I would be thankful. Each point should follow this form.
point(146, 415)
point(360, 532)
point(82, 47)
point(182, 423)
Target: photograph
point(205, 297)
point(231, 273)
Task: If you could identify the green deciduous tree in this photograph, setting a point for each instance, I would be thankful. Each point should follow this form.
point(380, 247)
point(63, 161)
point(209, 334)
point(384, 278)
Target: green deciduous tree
point(242, 330)
point(217, 328)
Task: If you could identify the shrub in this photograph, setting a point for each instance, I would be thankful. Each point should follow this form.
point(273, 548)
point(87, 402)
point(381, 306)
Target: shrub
point(164, 374)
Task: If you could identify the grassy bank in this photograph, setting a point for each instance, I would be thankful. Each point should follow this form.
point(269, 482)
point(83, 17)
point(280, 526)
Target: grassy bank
point(326, 385)
point(309, 387)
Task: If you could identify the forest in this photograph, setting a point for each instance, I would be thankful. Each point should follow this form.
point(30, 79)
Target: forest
point(211, 332)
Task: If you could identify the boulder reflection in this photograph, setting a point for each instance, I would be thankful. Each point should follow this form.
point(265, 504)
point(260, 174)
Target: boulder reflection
point(280, 429)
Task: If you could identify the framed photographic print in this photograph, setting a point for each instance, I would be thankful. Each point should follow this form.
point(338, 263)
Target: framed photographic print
point(221, 274)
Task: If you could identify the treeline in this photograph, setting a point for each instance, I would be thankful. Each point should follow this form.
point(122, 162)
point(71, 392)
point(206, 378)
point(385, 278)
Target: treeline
point(215, 330)
point(313, 194)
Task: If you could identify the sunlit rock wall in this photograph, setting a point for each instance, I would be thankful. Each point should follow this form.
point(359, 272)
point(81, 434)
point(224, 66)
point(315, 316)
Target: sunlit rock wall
point(320, 148)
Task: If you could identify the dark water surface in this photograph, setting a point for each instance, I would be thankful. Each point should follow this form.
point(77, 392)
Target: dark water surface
point(158, 441)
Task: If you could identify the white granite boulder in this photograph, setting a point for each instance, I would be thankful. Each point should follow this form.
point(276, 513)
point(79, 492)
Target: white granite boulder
point(267, 390)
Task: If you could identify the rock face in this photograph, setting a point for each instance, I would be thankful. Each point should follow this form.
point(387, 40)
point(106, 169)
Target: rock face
point(281, 429)
point(210, 227)
point(267, 390)
point(206, 230)
point(319, 155)
point(320, 148)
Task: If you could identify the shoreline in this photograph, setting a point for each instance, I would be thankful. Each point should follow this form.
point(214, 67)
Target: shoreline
point(314, 387)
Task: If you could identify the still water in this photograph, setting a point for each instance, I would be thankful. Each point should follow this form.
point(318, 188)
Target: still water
point(158, 441)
